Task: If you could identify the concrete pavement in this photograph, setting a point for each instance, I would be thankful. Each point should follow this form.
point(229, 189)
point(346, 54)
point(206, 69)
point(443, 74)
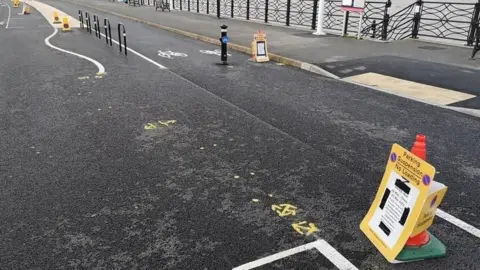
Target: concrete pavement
point(101, 188)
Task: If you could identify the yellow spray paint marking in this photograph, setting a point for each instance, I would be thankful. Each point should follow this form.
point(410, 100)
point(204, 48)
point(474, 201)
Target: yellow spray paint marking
point(98, 76)
point(83, 78)
point(166, 123)
point(304, 228)
point(150, 126)
point(255, 200)
point(284, 209)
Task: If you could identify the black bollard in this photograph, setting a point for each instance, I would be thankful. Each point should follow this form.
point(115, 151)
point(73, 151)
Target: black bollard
point(224, 41)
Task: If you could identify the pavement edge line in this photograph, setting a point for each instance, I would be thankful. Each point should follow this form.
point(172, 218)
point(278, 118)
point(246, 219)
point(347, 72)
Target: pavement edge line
point(240, 48)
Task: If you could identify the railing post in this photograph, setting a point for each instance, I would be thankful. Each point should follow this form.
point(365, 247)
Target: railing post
point(120, 38)
point(266, 11)
point(106, 25)
point(80, 18)
point(287, 22)
point(248, 9)
point(374, 29)
point(345, 23)
point(173, 3)
point(231, 8)
point(473, 24)
point(88, 22)
point(218, 9)
point(96, 24)
point(416, 18)
point(386, 20)
point(188, 5)
point(181, 4)
point(315, 14)
point(198, 9)
point(476, 47)
point(208, 6)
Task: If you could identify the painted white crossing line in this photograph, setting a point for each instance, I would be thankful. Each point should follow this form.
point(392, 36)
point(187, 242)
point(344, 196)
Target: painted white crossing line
point(459, 223)
point(321, 245)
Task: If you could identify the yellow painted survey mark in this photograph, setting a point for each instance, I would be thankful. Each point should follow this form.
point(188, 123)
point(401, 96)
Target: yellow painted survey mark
point(166, 123)
point(304, 228)
point(150, 126)
point(284, 209)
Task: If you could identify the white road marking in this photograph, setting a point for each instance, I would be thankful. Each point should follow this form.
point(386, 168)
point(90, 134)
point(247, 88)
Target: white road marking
point(101, 69)
point(169, 54)
point(16, 27)
point(9, 15)
point(459, 223)
point(137, 53)
point(214, 52)
point(321, 245)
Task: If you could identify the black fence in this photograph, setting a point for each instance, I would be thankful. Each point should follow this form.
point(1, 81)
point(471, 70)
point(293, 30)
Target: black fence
point(438, 20)
point(287, 12)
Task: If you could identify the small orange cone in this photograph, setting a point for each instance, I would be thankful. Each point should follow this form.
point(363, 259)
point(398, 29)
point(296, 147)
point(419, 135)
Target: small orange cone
point(419, 149)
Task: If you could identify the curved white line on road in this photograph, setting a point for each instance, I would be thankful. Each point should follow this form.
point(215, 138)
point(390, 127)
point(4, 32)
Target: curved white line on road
point(101, 69)
point(9, 15)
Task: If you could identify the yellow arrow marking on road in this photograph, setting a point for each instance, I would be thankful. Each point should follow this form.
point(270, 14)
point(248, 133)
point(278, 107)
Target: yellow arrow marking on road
point(150, 126)
point(284, 209)
point(302, 228)
point(166, 123)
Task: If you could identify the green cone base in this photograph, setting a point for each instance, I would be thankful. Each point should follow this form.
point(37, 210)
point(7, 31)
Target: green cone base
point(433, 249)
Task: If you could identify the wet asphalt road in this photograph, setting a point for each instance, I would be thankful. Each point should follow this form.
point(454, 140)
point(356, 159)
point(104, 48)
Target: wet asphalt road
point(85, 185)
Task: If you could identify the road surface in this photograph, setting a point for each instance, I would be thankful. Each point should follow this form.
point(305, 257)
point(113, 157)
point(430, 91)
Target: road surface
point(145, 167)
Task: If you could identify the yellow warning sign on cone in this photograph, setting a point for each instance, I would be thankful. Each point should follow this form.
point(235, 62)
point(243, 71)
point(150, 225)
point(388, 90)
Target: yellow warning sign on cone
point(405, 205)
point(56, 19)
point(16, 3)
point(65, 25)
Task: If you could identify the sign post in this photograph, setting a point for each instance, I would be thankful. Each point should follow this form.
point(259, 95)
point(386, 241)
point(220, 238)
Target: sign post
point(348, 6)
point(405, 205)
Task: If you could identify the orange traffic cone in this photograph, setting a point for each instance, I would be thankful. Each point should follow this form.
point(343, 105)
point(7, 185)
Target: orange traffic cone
point(419, 149)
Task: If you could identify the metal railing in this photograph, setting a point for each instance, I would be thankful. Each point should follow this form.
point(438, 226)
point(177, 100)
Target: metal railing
point(108, 30)
point(287, 12)
point(439, 20)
